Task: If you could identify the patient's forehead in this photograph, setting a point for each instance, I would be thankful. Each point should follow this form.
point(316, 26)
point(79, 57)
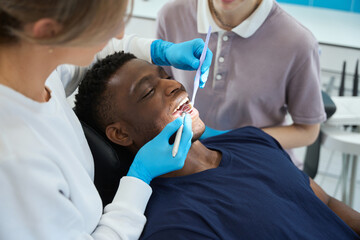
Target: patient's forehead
point(123, 82)
point(136, 66)
point(128, 72)
point(133, 70)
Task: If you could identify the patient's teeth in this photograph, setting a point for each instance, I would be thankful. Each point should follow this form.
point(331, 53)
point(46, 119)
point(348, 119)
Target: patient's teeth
point(181, 103)
point(190, 105)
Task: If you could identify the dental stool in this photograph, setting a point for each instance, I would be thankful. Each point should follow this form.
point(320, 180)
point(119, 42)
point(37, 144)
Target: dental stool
point(109, 166)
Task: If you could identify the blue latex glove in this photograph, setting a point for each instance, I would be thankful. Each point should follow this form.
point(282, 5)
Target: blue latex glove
point(183, 55)
point(210, 132)
point(155, 157)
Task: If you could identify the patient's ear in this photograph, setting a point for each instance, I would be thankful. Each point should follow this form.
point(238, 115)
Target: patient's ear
point(118, 134)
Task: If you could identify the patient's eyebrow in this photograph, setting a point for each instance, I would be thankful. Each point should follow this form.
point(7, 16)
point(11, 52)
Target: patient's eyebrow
point(162, 72)
point(134, 88)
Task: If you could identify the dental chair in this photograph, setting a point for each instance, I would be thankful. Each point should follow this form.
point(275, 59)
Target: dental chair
point(111, 163)
point(312, 155)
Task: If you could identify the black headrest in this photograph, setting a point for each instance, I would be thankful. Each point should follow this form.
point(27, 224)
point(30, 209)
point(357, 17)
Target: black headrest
point(330, 107)
point(111, 163)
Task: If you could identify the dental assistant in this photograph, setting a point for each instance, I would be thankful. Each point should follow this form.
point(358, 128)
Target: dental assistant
point(46, 167)
point(266, 65)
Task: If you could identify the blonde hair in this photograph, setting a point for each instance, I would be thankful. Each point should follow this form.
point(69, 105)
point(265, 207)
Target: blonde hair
point(82, 21)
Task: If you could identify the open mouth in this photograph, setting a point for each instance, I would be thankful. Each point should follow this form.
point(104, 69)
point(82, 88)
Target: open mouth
point(184, 106)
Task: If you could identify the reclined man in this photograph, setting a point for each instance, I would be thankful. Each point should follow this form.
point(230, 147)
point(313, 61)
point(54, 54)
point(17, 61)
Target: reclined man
point(238, 185)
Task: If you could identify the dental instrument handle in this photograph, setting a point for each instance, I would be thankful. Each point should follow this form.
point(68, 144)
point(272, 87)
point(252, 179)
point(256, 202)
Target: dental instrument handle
point(178, 138)
point(198, 71)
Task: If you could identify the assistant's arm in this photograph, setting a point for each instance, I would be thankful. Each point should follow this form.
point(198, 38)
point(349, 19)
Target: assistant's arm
point(347, 214)
point(303, 99)
point(43, 200)
point(294, 135)
point(38, 202)
point(183, 55)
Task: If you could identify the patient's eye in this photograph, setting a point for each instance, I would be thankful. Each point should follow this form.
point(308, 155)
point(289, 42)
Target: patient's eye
point(148, 93)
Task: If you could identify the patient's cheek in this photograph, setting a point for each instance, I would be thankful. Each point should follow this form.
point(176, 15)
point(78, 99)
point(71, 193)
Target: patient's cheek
point(161, 123)
point(149, 130)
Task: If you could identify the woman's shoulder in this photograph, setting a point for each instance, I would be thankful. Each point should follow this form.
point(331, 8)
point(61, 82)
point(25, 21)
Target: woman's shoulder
point(178, 7)
point(293, 28)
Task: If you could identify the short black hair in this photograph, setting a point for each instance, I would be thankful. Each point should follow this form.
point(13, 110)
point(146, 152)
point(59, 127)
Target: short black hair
point(92, 105)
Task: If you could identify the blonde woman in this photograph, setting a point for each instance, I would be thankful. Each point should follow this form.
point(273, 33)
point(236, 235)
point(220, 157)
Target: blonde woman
point(46, 167)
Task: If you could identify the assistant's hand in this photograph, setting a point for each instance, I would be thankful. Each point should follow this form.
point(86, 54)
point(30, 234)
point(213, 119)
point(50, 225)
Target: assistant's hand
point(185, 55)
point(210, 132)
point(155, 157)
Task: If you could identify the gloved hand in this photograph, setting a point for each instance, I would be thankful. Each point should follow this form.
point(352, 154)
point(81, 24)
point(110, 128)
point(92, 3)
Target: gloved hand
point(155, 157)
point(210, 132)
point(185, 56)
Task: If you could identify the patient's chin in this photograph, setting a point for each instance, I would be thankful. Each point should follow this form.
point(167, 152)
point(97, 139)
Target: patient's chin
point(198, 129)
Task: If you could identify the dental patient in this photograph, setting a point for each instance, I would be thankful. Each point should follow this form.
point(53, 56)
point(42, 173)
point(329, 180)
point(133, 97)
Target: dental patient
point(238, 185)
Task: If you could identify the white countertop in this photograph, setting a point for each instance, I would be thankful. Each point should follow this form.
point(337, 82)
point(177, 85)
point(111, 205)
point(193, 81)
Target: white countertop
point(347, 111)
point(332, 27)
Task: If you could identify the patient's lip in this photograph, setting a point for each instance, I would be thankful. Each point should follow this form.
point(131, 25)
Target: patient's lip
point(194, 113)
point(178, 99)
point(227, 1)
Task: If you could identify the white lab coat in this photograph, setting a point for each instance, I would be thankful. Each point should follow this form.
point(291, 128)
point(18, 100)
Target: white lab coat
point(47, 170)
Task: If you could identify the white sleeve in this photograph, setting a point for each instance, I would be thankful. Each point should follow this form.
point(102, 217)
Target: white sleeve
point(36, 204)
point(140, 47)
point(124, 217)
point(72, 75)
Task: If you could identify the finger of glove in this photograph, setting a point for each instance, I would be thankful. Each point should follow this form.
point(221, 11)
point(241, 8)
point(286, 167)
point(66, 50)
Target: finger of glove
point(203, 79)
point(169, 130)
point(204, 135)
point(187, 131)
point(197, 48)
point(210, 132)
point(207, 62)
point(184, 148)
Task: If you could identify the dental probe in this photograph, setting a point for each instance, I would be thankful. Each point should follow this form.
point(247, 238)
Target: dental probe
point(198, 71)
point(178, 137)
point(196, 86)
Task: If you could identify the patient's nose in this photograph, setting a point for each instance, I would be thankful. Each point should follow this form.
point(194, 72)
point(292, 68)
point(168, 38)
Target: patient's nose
point(171, 87)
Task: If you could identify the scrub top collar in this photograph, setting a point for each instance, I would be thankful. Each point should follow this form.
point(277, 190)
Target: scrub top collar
point(246, 29)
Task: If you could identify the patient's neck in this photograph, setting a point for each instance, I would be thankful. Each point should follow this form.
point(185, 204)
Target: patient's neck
point(199, 159)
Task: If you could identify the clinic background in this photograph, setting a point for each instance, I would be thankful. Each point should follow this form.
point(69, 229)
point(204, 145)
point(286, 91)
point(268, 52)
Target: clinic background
point(336, 25)
point(344, 5)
